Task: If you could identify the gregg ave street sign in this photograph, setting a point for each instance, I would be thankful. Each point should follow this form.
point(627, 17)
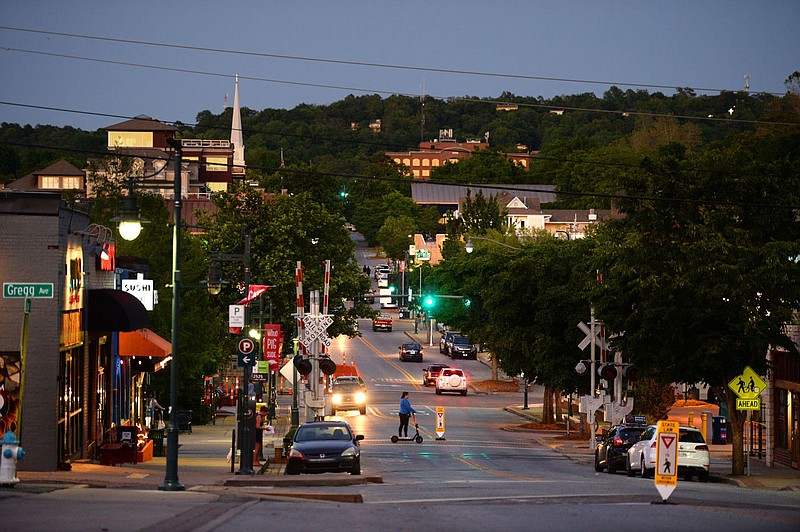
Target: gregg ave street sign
point(748, 387)
point(28, 290)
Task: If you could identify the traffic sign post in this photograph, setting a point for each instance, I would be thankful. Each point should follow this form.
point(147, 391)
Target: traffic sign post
point(440, 422)
point(748, 388)
point(248, 351)
point(666, 475)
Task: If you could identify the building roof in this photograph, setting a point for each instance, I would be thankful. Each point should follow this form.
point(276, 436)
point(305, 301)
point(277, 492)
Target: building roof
point(141, 123)
point(31, 181)
point(428, 193)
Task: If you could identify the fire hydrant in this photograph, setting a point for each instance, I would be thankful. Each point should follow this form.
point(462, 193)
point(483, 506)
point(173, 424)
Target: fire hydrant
point(9, 457)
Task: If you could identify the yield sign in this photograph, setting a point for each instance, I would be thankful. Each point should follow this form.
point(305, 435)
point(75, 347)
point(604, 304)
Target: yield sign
point(439, 421)
point(666, 477)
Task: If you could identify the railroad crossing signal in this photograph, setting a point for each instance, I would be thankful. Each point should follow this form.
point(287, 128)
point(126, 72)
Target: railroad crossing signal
point(666, 477)
point(748, 387)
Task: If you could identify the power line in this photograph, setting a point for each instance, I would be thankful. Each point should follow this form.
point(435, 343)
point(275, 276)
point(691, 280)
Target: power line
point(267, 170)
point(726, 120)
point(362, 63)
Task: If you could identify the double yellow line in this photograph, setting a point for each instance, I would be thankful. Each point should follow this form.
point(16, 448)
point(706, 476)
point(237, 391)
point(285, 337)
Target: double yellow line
point(415, 381)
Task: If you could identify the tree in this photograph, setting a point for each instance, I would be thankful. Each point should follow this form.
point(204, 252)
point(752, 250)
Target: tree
point(700, 281)
point(394, 236)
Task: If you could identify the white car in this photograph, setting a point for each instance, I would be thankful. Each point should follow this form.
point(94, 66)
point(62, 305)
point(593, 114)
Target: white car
point(451, 380)
point(693, 455)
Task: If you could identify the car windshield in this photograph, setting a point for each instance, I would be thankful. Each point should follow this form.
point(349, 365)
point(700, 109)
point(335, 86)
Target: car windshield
point(412, 347)
point(448, 372)
point(346, 387)
point(323, 432)
point(461, 340)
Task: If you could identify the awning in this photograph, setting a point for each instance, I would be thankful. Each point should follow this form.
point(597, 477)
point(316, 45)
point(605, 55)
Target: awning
point(144, 350)
point(115, 310)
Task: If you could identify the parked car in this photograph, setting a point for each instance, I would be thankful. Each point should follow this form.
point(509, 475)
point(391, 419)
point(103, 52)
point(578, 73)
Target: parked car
point(611, 453)
point(431, 373)
point(382, 270)
point(348, 394)
point(451, 380)
point(324, 446)
point(460, 347)
point(693, 454)
point(369, 297)
point(443, 340)
point(410, 351)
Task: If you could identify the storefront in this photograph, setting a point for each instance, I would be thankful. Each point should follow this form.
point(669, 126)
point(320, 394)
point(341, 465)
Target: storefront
point(786, 416)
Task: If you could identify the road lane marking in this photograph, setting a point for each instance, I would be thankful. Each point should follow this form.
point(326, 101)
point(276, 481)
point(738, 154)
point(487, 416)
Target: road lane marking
point(412, 381)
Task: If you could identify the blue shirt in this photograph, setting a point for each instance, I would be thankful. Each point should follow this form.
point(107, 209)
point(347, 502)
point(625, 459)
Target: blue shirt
point(405, 406)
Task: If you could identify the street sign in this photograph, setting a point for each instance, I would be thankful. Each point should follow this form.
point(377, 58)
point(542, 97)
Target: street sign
point(236, 316)
point(439, 421)
point(666, 477)
point(748, 387)
point(423, 255)
point(288, 371)
point(28, 290)
point(247, 352)
point(141, 289)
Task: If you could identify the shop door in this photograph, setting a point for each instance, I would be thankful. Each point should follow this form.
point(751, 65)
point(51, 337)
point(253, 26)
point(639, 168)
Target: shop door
point(70, 405)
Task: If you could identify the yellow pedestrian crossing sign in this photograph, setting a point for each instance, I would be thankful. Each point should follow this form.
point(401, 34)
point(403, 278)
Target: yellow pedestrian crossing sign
point(748, 387)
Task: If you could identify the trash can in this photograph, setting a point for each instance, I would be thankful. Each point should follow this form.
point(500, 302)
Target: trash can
point(185, 420)
point(158, 442)
point(720, 431)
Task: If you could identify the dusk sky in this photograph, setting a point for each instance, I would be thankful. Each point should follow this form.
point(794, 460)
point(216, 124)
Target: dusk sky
point(709, 45)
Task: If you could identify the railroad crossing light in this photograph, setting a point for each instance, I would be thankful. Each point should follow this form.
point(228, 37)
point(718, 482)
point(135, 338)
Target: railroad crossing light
point(302, 365)
point(327, 366)
point(630, 372)
point(607, 372)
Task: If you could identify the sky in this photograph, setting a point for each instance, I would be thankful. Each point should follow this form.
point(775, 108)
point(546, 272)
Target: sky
point(319, 51)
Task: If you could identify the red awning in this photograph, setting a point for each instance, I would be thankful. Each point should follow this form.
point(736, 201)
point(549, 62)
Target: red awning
point(148, 350)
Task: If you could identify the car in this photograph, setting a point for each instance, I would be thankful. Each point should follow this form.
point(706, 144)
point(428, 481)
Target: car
point(324, 447)
point(383, 322)
point(451, 380)
point(348, 394)
point(382, 270)
point(410, 351)
point(443, 340)
point(431, 373)
point(383, 281)
point(369, 297)
point(460, 347)
point(351, 378)
point(693, 454)
point(611, 453)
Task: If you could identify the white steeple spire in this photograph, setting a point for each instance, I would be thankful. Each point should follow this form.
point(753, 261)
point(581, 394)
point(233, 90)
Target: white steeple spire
point(236, 134)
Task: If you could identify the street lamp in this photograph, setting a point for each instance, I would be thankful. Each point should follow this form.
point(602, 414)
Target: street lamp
point(470, 247)
point(129, 228)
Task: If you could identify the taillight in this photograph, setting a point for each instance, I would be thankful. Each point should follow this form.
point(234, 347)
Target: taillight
point(701, 448)
point(618, 441)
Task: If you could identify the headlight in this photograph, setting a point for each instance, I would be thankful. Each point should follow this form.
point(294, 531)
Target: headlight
point(361, 397)
point(349, 452)
point(294, 453)
point(337, 398)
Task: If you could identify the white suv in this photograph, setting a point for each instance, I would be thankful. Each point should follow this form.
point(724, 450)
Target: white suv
point(451, 380)
point(693, 455)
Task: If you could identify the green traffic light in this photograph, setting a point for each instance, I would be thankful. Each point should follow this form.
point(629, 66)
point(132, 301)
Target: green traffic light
point(392, 289)
point(428, 301)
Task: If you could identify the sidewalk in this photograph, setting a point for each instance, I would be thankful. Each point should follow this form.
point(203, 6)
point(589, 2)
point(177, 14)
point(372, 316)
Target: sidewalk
point(761, 476)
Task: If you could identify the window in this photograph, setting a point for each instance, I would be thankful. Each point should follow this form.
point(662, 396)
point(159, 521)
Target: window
point(216, 164)
point(426, 162)
point(130, 139)
point(48, 181)
point(71, 183)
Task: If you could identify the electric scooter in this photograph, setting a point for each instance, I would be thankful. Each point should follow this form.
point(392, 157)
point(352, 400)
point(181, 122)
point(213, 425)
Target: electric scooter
point(416, 437)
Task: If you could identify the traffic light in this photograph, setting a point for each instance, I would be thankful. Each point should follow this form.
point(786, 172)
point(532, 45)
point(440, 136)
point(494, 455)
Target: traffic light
point(302, 364)
point(392, 282)
point(428, 301)
point(607, 372)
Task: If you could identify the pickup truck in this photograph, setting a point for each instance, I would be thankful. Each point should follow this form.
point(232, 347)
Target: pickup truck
point(383, 321)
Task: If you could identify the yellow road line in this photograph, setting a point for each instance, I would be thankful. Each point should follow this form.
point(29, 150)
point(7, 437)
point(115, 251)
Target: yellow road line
point(414, 381)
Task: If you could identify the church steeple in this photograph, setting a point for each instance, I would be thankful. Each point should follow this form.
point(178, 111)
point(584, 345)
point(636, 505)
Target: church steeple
point(237, 139)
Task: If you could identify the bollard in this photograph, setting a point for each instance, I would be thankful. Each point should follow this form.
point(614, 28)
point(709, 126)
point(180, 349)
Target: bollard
point(691, 419)
point(9, 457)
point(704, 426)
